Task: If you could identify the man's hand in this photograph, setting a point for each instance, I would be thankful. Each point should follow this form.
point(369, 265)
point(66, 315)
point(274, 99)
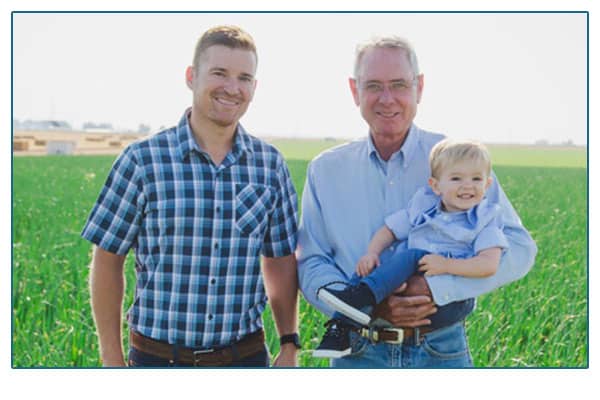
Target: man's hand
point(433, 264)
point(287, 357)
point(366, 264)
point(409, 306)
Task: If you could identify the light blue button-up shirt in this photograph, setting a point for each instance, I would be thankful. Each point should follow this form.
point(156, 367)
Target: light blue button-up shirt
point(462, 234)
point(348, 193)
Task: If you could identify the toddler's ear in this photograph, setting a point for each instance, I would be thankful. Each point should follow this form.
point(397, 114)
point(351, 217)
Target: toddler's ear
point(433, 183)
point(489, 182)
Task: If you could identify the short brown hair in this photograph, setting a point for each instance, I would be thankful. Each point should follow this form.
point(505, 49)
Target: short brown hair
point(448, 152)
point(224, 35)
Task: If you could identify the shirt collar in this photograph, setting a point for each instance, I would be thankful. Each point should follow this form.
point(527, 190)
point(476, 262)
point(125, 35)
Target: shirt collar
point(471, 214)
point(186, 142)
point(405, 153)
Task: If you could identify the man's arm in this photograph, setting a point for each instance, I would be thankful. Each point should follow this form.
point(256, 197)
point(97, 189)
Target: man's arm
point(316, 266)
point(281, 283)
point(107, 285)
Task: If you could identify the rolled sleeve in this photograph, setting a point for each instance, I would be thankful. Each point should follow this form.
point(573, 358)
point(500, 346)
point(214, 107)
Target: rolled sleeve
point(399, 224)
point(280, 238)
point(114, 221)
point(316, 266)
point(490, 236)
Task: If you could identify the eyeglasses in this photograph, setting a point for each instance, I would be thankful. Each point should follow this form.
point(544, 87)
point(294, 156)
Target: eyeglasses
point(399, 86)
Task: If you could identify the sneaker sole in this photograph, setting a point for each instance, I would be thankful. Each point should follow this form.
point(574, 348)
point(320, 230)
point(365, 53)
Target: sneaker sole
point(344, 308)
point(331, 353)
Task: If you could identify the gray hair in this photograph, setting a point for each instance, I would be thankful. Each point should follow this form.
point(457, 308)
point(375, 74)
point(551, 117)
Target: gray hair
point(387, 42)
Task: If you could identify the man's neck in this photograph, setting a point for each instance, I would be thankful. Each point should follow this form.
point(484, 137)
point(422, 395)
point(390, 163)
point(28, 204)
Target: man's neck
point(388, 145)
point(215, 140)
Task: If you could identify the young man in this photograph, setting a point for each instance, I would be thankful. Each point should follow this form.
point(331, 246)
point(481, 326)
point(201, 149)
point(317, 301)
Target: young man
point(199, 203)
point(377, 176)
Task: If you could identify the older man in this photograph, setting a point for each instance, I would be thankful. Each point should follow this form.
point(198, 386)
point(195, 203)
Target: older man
point(351, 189)
point(199, 203)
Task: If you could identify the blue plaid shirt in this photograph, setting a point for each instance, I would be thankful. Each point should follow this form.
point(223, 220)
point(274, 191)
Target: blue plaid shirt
point(198, 230)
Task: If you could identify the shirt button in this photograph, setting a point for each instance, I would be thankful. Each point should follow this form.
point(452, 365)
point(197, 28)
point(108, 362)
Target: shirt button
point(216, 245)
point(218, 209)
point(210, 317)
point(212, 281)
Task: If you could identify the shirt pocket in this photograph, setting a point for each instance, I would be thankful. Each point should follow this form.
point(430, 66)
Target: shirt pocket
point(253, 204)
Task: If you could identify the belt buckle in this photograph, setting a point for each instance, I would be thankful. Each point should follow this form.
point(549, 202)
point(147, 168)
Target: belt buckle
point(201, 352)
point(370, 334)
point(399, 335)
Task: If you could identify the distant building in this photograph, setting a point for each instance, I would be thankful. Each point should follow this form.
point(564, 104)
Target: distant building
point(98, 128)
point(41, 125)
point(60, 147)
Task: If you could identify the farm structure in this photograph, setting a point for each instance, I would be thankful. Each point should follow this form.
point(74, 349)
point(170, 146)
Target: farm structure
point(70, 142)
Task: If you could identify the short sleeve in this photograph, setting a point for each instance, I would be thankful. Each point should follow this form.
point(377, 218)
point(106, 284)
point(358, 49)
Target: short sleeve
point(114, 221)
point(490, 236)
point(399, 224)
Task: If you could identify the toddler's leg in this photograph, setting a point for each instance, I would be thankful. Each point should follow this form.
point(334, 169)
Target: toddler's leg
point(392, 272)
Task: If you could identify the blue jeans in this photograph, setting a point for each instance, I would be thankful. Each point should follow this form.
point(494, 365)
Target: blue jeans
point(392, 272)
point(443, 348)
point(395, 268)
point(138, 358)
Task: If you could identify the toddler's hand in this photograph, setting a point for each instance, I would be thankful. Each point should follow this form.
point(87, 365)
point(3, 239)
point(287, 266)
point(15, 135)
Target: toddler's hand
point(367, 263)
point(433, 264)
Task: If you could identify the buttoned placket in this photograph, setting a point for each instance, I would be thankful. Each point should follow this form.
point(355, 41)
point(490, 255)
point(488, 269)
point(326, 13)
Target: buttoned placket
point(393, 182)
point(215, 259)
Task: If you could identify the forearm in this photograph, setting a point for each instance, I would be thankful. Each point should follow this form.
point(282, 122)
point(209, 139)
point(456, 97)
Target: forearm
point(516, 261)
point(107, 285)
point(315, 272)
point(381, 240)
point(482, 265)
point(281, 283)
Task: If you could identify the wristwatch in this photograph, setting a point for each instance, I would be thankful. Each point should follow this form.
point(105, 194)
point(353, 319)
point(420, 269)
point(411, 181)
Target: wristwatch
point(291, 338)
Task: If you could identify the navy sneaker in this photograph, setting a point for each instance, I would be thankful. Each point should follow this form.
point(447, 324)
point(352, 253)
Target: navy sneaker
point(335, 342)
point(355, 302)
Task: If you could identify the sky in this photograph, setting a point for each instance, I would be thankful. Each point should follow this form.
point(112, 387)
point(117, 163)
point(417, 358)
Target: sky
point(508, 77)
point(495, 77)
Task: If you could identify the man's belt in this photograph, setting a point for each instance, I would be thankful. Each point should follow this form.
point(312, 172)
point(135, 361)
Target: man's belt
point(247, 346)
point(394, 335)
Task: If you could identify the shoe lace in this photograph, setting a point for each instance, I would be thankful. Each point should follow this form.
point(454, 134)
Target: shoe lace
point(335, 327)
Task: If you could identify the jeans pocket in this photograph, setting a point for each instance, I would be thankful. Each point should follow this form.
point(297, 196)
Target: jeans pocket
point(138, 358)
point(447, 343)
point(358, 344)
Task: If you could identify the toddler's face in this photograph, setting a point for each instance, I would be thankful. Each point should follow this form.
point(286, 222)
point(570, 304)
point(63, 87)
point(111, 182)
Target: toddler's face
point(461, 185)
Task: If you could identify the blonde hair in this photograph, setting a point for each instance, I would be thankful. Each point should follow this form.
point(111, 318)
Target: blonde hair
point(448, 152)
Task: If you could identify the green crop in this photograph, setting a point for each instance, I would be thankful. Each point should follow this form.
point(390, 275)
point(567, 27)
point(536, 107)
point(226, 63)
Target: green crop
point(540, 320)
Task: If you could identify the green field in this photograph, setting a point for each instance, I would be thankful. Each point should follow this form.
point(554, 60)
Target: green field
point(539, 321)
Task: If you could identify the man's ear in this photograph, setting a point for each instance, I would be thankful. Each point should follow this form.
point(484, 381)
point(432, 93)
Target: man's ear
point(420, 86)
point(433, 183)
point(189, 76)
point(354, 89)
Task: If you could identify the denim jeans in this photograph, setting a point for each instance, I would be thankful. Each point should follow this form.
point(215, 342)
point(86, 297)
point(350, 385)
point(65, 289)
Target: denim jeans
point(392, 272)
point(141, 359)
point(396, 267)
point(443, 348)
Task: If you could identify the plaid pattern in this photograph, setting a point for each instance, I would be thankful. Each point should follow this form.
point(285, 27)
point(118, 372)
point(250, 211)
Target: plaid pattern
point(197, 230)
